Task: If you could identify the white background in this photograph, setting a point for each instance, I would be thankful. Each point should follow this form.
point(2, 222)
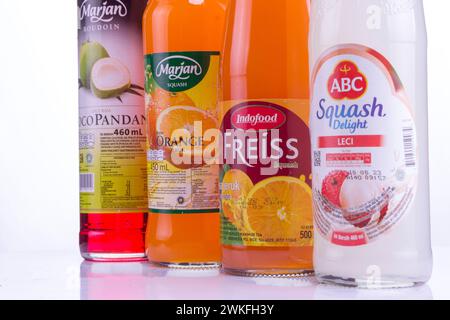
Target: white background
point(39, 119)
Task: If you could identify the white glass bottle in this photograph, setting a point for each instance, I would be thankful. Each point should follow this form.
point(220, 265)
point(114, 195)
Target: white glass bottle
point(370, 142)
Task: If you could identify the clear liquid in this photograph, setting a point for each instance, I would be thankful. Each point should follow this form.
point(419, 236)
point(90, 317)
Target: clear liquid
point(401, 257)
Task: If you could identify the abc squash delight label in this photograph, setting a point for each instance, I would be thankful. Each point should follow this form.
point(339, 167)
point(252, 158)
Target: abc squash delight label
point(364, 146)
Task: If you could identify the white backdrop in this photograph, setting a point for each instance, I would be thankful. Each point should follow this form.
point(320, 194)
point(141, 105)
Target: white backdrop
point(39, 119)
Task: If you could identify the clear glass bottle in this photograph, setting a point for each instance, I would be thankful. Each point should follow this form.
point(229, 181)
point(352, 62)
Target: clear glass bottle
point(370, 142)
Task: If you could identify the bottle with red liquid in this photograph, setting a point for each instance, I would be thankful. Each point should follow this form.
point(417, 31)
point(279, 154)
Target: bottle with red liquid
point(113, 186)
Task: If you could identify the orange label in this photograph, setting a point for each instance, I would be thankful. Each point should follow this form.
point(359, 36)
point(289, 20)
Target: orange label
point(266, 195)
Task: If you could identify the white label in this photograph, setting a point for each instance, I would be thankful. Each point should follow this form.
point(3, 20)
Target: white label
point(364, 146)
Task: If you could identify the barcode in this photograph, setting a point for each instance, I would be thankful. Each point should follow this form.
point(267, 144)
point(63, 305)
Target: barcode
point(87, 182)
point(409, 146)
point(317, 159)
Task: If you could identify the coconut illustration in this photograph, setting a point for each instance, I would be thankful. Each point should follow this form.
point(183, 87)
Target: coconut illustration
point(110, 78)
point(90, 53)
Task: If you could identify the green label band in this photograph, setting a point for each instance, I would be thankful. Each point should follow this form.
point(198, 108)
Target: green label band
point(178, 71)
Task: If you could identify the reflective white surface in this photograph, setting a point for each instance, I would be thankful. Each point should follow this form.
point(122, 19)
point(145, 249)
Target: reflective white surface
point(67, 276)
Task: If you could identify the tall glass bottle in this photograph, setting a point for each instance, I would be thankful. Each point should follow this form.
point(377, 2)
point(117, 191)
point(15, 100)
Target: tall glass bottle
point(266, 179)
point(113, 185)
point(370, 142)
point(182, 43)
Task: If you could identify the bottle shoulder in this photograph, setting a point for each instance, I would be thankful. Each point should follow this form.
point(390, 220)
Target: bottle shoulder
point(175, 25)
point(184, 10)
point(364, 21)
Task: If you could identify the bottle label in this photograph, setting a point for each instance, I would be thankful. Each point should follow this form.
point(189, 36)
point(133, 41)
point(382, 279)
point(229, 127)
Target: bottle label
point(364, 146)
point(266, 179)
point(182, 100)
point(111, 108)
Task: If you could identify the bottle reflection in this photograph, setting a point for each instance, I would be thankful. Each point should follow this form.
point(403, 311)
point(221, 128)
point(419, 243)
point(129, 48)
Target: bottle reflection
point(112, 281)
point(143, 281)
point(240, 288)
point(329, 292)
point(180, 284)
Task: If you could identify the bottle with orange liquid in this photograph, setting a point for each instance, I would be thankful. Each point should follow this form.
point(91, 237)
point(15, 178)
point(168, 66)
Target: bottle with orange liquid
point(182, 41)
point(267, 226)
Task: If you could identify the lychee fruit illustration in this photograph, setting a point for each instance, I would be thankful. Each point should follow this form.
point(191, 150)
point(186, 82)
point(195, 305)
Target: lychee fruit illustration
point(331, 186)
point(345, 194)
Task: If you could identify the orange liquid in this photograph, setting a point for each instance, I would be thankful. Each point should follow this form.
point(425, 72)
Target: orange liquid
point(266, 57)
point(173, 26)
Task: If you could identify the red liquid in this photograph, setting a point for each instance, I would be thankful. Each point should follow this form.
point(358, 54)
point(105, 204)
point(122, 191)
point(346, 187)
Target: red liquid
point(113, 237)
